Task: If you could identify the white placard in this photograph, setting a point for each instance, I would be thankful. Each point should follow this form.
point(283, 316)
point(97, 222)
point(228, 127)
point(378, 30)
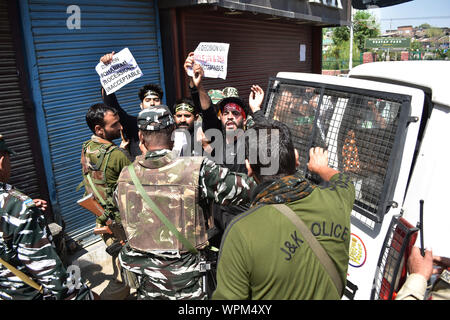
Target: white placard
point(122, 70)
point(213, 57)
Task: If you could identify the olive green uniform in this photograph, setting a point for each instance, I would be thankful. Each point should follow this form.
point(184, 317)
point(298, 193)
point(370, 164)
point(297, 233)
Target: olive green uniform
point(264, 256)
point(111, 164)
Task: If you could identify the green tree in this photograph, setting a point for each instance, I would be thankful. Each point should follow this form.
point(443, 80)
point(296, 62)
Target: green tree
point(424, 26)
point(364, 26)
point(434, 32)
point(416, 45)
point(340, 35)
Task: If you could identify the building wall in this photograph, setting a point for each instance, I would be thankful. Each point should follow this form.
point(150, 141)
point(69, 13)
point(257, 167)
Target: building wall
point(61, 58)
point(17, 121)
point(260, 47)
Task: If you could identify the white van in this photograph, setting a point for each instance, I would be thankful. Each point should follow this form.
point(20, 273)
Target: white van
point(388, 126)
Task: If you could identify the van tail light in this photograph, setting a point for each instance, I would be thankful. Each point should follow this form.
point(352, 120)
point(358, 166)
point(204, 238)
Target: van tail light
point(391, 269)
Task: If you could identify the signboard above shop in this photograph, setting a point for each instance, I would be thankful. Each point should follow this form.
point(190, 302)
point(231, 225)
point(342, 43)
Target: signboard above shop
point(387, 43)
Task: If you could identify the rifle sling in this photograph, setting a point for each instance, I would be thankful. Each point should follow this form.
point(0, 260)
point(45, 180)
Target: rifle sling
point(23, 276)
point(94, 188)
point(315, 246)
point(158, 212)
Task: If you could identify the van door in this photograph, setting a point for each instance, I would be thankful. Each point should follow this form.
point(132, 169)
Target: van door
point(370, 130)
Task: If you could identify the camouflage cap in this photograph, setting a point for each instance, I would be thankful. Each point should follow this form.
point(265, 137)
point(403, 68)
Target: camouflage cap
point(230, 92)
point(4, 146)
point(155, 118)
point(231, 95)
point(215, 95)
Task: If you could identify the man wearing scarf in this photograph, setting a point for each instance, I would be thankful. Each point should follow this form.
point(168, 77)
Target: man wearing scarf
point(232, 120)
point(263, 254)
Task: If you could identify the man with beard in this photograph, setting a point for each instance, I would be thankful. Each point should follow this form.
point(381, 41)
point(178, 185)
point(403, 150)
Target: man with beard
point(102, 161)
point(186, 115)
point(234, 114)
point(233, 119)
point(163, 199)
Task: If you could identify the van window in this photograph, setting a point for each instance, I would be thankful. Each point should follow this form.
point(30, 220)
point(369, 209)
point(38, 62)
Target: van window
point(359, 129)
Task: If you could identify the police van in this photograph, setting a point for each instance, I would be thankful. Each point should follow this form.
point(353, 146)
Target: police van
point(388, 126)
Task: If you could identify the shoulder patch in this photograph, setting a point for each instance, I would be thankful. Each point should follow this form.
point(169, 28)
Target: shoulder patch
point(29, 203)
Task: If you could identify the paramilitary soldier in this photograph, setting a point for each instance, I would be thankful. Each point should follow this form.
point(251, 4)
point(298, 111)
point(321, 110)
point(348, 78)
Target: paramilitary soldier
point(102, 161)
point(161, 200)
point(29, 267)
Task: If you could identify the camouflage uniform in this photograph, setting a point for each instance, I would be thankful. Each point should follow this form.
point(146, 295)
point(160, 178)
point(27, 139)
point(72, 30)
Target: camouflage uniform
point(103, 161)
point(26, 246)
point(181, 188)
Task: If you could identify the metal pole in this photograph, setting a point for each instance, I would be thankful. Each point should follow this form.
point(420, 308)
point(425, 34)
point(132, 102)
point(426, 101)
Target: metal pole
point(350, 63)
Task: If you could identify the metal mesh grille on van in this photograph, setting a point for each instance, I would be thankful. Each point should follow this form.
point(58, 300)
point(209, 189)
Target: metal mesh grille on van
point(358, 130)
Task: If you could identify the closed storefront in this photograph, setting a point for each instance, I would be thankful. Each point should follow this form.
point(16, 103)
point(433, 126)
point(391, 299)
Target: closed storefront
point(258, 49)
point(264, 39)
point(64, 40)
point(17, 122)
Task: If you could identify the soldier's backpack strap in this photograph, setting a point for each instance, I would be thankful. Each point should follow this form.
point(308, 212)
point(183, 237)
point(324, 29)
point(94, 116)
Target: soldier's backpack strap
point(105, 150)
point(154, 207)
point(316, 247)
point(22, 276)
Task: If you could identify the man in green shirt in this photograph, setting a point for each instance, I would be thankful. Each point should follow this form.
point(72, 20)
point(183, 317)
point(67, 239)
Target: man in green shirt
point(263, 255)
point(102, 161)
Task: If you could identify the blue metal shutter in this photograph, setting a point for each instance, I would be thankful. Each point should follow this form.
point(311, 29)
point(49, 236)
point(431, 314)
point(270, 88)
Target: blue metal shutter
point(64, 83)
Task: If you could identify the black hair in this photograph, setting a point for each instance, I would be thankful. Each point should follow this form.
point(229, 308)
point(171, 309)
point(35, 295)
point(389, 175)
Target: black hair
point(96, 114)
point(150, 86)
point(284, 148)
point(162, 137)
point(185, 100)
point(222, 103)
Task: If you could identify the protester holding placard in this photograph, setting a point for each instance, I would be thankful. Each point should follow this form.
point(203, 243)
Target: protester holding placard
point(234, 113)
point(149, 95)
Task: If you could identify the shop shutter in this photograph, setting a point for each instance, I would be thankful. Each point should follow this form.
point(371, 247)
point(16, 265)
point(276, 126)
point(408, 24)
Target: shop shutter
point(64, 82)
point(14, 120)
point(259, 49)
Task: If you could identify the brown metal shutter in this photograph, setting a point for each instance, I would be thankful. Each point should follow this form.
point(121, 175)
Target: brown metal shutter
point(15, 119)
point(259, 49)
